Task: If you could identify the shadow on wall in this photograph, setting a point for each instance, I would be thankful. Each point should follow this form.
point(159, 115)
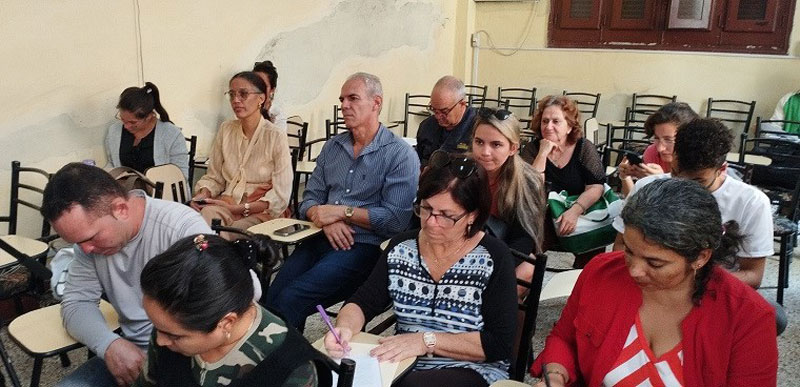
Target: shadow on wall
point(354, 28)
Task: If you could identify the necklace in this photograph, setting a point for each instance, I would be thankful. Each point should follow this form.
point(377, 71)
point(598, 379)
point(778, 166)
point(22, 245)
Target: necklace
point(448, 257)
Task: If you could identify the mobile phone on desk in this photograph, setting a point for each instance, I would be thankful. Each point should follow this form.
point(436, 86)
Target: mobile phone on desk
point(291, 229)
point(633, 158)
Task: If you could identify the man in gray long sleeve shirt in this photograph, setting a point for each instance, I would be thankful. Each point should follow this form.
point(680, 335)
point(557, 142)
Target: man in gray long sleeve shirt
point(116, 233)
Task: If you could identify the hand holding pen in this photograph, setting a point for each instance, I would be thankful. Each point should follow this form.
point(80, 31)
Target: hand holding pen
point(337, 339)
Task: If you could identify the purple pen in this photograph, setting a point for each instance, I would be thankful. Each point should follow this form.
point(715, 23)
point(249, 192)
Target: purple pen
point(327, 321)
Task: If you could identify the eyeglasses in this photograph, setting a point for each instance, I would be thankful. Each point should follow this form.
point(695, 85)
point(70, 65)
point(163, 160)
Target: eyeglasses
point(500, 114)
point(242, 94)
point(425, 212)
point(444, 112)
point(461, 167)
point(129, 122)
point(667, 142)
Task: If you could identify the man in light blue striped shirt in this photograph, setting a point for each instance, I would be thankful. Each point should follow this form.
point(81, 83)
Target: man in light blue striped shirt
point(361, 193)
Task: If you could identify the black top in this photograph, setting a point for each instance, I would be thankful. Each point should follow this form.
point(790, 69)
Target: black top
point(498, 301)
point(139, 157)
point(513, 234)
point(431, 136)
point(584, 168)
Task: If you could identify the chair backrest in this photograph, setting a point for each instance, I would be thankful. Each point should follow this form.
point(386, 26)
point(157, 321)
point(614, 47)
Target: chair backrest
point(774, 128)
point(175, 187)
point(492, 103)
point(22, 192)
point(475, 92)
point(297, 131)
point(192, 153)
point(521, 101)
point(643, 105)
point(734, 113)
point(415, 105)
point(294, 199)
point(530, 306)
point(587, 102)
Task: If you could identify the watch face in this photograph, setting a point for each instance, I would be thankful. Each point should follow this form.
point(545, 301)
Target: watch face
point(429, 338)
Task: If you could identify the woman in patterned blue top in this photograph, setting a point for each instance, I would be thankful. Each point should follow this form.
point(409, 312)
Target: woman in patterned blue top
point(450, 284)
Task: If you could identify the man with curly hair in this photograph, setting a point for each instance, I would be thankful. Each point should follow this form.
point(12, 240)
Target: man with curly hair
point(701, 146)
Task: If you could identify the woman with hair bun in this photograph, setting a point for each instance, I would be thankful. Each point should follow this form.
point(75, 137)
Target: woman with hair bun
point(207, 331)
point(664, 312)
point(267, 71)
point(149, 138)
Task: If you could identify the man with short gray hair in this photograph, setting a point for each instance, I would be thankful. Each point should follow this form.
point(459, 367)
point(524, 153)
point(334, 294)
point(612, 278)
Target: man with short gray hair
point(360, 193)
point(450, 126)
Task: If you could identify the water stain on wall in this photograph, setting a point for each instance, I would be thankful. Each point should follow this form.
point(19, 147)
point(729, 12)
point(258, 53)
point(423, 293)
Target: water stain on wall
point(307, 55)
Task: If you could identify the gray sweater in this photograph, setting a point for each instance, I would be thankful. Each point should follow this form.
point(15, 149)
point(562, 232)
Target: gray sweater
point(117, 276)
point(169, 146)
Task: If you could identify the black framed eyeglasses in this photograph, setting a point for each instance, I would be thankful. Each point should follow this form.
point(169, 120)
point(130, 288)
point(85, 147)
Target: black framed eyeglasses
point(500, 114)
point(444, 220)
point(462, 167)
point(446, 111)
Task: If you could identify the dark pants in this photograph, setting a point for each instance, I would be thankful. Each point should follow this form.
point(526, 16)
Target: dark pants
point(447, 377)
point(315, 273)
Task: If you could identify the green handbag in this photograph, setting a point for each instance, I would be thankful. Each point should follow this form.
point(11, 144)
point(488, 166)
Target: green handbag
point(593, 229)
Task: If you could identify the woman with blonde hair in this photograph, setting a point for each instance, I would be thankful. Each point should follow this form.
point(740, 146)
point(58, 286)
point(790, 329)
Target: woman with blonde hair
point(517, 191)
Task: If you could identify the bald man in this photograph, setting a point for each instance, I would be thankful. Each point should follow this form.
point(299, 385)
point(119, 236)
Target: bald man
point(450, 126)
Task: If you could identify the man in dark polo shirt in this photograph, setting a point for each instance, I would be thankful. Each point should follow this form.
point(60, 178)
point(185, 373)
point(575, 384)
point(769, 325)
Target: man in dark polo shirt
point(450, 126)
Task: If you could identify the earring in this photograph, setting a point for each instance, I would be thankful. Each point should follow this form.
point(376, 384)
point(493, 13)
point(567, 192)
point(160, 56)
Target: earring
point(227, 335)
point(469, 228)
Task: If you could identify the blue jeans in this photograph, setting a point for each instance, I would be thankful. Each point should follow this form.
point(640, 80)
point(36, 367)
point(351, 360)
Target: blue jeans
point(89, 374)
point(315, 273)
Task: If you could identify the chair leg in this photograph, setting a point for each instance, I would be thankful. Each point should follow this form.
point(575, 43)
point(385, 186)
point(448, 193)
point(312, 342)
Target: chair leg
point(37, 371)
point(12, 373)
point(65, 362)
point(783, 263)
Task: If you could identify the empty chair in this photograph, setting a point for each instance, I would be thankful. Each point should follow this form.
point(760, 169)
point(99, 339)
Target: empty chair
point(776, 129)
point(475, 92)
point(587, 102)
point(175, 187)
point(521, 101)
point(192, 141)
point(643, 105)
point(416, 105)
point(737, 115)
point(26, 190)
point(492, 103)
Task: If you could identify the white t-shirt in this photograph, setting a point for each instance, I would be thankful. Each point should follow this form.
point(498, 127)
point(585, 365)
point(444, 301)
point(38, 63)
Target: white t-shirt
point(738, 201)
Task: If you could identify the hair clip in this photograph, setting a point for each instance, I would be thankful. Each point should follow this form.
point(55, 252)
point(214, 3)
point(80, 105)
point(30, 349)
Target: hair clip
point(148, 90)
point(723, 230)
point(200, 242)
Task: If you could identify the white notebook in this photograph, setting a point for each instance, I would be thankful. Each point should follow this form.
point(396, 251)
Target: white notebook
point(369, 372)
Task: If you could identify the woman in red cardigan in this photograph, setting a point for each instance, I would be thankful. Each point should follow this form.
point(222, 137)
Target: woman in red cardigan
point(662, 312)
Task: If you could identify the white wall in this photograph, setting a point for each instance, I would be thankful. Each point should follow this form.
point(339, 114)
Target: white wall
point(66, 63)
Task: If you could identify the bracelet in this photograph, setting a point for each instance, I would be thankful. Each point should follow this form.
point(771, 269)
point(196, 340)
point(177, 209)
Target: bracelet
point(246, 211)
point(559, 373)
point(579, 205)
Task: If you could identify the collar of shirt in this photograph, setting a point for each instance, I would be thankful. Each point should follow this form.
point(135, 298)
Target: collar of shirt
point(383, 137)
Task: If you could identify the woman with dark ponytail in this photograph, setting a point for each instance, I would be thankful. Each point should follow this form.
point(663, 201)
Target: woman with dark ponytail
point(664, 311)
point(249, 176)
point(267, 71)
point(149, 138)
point(207, 331)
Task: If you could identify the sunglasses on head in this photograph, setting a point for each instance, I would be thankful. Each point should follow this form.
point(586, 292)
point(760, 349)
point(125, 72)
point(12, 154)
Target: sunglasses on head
point(500, 114)
point(462, 167)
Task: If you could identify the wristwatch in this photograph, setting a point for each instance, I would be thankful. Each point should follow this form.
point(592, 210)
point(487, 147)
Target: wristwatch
point(348, 212)
point(246, 211)
point(429, 338)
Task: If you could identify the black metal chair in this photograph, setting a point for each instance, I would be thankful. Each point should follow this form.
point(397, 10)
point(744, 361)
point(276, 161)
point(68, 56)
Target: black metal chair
point(521, 101)
point(523, 356)
point(587, 102)
point(475, 92)
point(416, 105)
point(732, 112)
point(192, 153)
point(780, 181)
point(643, 105)
point(492, 103)
point(774, 128)
point(27, 186)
